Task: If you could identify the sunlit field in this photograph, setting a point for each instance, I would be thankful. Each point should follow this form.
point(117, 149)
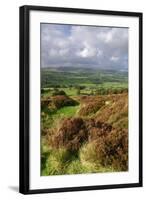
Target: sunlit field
point(84, 120)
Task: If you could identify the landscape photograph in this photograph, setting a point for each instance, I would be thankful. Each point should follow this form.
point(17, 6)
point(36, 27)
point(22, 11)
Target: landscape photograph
point(84, 99)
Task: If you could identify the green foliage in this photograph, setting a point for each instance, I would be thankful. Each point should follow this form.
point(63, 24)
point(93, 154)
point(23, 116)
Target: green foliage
point(57, 162)
point(67, 111)
point(58, 92)
point(61, 161)
point(76, 167)
point(45, 153)
point(78, 91)
point(73, 76)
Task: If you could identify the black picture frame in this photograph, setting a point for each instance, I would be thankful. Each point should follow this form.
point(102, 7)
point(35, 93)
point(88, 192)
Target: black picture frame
point(25, 105)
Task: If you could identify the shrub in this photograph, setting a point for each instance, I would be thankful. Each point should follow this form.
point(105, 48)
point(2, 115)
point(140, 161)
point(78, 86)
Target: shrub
point(45, 103)
point(51, 104)
point(89, 159)
point(112, 150)
point(61, 101)
point(99, 142)
point(97, 129)
point(91, 107)
point(109, 150)
point(73, 132)
point(121, 123)
point(42, 91)
point(96, 144)
point(45, 90)
point(58, 92)
point(116, 110)
point(70, 135)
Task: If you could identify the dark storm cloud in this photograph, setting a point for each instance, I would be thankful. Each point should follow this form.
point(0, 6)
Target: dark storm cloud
point(85, 46)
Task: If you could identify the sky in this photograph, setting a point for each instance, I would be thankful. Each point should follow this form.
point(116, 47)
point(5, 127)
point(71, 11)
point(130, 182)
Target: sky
point(84, 46)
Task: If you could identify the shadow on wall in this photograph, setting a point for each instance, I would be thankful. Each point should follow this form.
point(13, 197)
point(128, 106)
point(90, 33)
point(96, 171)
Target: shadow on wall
point(14, 188)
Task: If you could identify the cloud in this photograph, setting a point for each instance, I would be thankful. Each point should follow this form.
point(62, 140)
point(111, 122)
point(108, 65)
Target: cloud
point(85, 46)
point(114, 58)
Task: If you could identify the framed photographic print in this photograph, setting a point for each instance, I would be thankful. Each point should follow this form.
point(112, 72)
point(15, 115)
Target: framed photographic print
point(80, 99)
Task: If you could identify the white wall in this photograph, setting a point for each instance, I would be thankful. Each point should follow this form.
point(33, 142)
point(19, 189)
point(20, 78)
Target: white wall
point(9, 88)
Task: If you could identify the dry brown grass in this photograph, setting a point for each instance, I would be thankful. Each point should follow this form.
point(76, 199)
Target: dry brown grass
point(118, 105)
point(91, 107)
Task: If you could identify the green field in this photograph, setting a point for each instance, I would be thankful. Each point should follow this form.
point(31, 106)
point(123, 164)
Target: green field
point(89, 81)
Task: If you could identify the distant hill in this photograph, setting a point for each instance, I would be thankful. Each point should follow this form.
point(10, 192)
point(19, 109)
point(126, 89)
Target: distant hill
point(81, 76)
